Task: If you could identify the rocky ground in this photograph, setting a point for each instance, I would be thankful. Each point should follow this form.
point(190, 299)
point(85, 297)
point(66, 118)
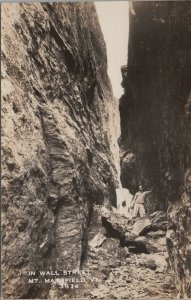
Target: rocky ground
point(134, 266)
point(127, 259)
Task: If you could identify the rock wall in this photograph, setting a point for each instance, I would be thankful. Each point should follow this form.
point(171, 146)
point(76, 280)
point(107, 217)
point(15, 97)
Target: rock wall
point(155, 119)
point(57, 110)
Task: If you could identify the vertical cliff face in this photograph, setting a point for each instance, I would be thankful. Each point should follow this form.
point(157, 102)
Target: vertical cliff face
point(57, 139)
point(155, 119)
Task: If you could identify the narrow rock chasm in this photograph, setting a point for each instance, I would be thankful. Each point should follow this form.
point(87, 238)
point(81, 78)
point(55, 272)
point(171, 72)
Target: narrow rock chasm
point(62, 206)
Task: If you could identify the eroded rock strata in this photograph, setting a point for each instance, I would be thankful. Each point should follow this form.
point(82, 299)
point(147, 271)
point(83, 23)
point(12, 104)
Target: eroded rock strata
point(57, 109)
point(155, 120)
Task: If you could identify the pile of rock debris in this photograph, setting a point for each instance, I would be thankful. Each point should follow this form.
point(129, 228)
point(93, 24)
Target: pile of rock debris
point(129, 257)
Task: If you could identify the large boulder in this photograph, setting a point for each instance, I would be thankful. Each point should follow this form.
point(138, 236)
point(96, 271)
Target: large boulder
point(115, 224)
point(143, 235)
point(141, 226)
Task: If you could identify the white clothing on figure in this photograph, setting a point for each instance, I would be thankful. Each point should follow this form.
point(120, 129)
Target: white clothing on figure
point(139, 209)
point(139, 200)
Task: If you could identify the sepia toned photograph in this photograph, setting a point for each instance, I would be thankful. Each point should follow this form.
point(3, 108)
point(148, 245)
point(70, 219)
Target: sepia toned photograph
point(96, 150)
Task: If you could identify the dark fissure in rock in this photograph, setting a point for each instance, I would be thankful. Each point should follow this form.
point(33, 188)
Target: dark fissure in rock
point(155, 118)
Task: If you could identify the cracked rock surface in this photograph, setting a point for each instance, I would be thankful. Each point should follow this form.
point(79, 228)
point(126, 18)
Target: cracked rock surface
point(58, 135)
